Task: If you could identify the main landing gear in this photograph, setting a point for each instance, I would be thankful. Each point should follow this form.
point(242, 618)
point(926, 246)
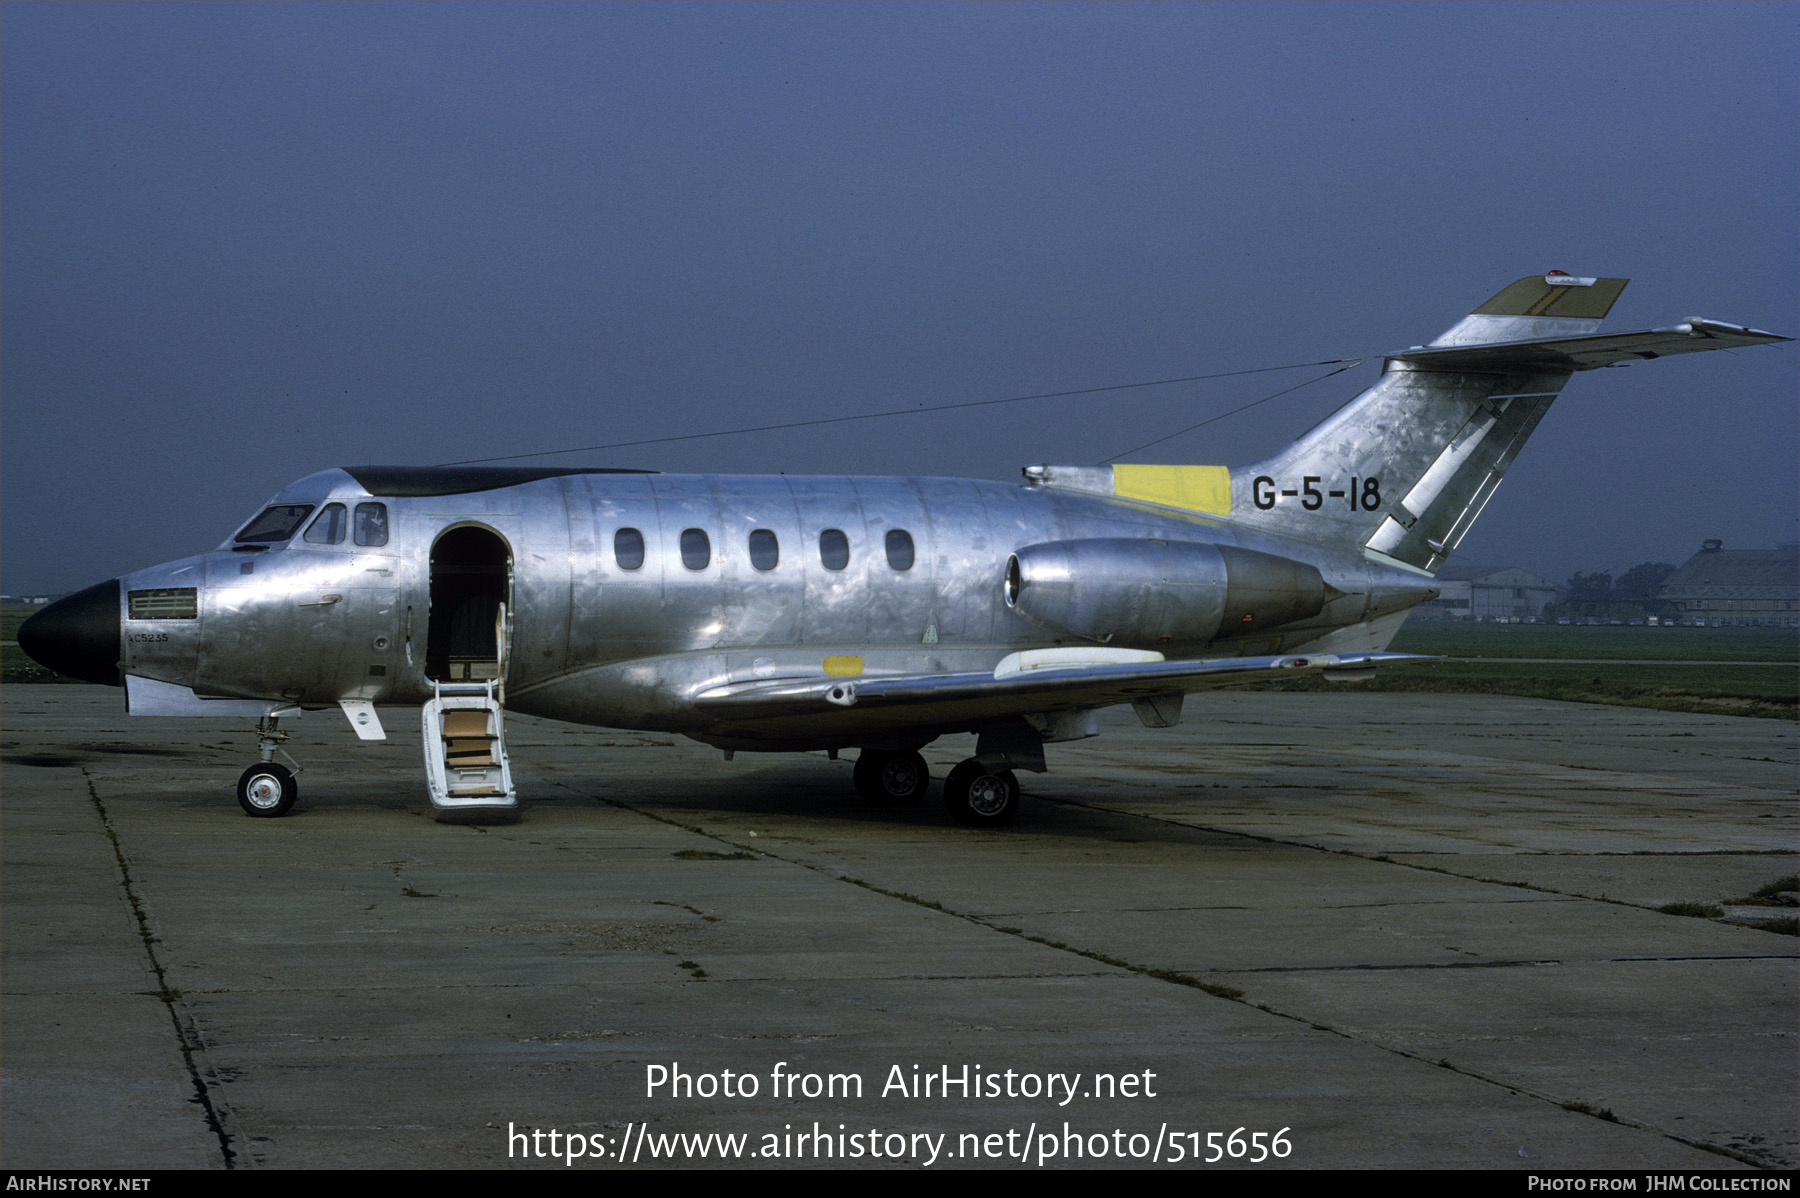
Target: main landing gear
point(980, 797)
point(268, 789)
point(974, 794)
point(888, 779)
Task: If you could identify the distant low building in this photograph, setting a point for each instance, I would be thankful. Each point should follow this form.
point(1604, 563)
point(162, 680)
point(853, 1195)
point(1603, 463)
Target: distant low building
point(1480, 593)
point(1738, 588)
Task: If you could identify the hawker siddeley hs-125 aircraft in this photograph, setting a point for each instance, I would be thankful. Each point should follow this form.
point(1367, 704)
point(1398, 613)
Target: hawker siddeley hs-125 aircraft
point(756, 612)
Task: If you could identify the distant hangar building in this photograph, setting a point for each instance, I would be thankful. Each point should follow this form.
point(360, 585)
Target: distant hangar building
point(1738, 588)
point(1483, 593)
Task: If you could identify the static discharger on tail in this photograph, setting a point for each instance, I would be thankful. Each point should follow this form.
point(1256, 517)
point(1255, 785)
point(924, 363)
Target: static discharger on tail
point(786, 613)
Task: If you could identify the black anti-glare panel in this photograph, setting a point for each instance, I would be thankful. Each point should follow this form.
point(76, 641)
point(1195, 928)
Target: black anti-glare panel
point(413, 482)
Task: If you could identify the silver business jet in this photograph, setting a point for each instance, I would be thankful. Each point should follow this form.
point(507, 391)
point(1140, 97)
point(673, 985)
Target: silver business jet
point(776, 613)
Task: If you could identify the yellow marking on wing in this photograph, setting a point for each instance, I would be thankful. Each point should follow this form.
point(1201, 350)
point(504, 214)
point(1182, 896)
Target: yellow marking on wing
point(1196, 488)
point(844, 667)
point(1551, 295)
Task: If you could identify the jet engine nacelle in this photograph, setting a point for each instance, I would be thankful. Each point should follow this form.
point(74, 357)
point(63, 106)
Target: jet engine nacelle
point(1146, 593)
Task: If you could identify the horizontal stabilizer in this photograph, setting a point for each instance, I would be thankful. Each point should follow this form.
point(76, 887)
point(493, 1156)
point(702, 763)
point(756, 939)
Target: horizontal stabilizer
point(1590, 352)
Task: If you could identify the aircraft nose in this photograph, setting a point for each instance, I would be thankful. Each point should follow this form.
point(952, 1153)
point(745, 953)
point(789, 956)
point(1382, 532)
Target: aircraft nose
point(78, 635)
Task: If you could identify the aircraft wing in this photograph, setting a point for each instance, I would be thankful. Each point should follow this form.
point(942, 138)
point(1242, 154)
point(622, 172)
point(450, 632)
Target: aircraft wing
point(1589, 353)
point(984, 695)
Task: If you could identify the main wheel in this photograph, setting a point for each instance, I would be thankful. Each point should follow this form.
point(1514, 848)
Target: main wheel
point(267, 790)
point(891, 779)
point(980, 798)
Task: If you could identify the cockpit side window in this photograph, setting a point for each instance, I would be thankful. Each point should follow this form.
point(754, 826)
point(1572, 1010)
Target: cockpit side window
point(371, 524)
point(274, 524)
point(328, 528)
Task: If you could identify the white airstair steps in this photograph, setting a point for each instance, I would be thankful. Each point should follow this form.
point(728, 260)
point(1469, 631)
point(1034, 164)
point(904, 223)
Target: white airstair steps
point(466, 768)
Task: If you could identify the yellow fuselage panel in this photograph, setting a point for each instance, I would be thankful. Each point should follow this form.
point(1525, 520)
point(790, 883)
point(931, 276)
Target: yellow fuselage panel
point(1195, 488)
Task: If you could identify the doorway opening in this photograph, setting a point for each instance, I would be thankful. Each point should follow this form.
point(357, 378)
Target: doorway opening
point(471, 577)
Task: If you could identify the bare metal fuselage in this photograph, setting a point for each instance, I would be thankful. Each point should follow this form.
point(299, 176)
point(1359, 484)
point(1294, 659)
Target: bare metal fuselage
point(591, 641)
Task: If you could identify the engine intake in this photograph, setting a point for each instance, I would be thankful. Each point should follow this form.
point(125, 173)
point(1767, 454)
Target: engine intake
point(1151, 593)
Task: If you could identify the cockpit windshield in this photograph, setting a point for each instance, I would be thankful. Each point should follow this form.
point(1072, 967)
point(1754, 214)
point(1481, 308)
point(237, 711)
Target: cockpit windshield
point(274, 524)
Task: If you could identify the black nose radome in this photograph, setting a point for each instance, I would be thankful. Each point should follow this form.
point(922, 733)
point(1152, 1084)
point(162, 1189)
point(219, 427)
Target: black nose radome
point(78, 635)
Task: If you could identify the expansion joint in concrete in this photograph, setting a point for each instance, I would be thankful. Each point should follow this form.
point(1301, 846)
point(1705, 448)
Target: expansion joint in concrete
point(187, 1037)
point(1208, 981)
point(1235, 995)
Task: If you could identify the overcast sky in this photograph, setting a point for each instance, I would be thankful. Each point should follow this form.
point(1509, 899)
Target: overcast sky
point(243, 242)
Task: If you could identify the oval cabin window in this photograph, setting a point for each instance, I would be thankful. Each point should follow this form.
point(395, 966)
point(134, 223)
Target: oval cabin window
point(628, 548)
point(834, 549)
point(696, 548)
point(899, 549)
point(765, 550)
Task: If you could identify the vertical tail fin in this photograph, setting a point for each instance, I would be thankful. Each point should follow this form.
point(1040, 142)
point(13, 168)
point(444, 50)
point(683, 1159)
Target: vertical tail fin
point(1406, 467)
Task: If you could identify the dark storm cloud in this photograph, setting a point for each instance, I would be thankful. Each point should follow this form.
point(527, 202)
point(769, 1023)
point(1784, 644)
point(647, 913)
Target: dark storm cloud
point(245, 242)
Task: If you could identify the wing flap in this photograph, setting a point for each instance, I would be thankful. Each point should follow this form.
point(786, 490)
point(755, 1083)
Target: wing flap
point(1043, 689)
point(1591, 352)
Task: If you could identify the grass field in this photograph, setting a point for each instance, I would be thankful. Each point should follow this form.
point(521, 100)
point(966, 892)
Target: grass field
point(1720, 671)
point(1619, 644)
point(14, 665)
point(11, 618)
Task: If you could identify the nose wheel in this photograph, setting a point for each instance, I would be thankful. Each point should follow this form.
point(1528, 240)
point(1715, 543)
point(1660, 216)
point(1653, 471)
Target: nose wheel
point(267, 789)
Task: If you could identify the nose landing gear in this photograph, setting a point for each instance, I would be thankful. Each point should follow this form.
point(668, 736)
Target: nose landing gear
point(268, 789)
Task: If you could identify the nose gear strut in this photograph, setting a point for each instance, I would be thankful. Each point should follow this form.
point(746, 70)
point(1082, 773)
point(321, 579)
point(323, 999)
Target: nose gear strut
point(268, 789)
